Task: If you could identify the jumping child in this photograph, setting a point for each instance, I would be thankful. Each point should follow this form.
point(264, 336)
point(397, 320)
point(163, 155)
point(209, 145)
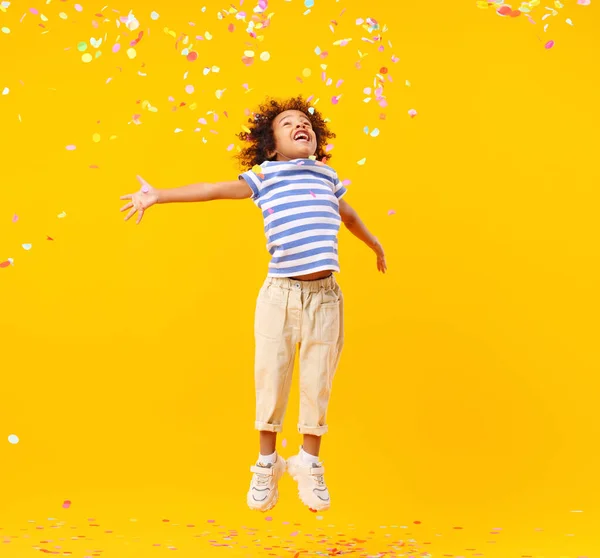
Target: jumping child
point(300, 304)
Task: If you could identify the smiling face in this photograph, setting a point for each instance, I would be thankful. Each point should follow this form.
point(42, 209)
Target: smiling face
point(294, 136)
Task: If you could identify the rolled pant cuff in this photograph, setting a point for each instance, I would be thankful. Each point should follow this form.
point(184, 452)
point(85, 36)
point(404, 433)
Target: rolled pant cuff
point(314, 430)
point(266, 427)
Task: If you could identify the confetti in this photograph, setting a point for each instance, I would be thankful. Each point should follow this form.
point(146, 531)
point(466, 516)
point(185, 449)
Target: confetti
point(154, 16)
point(549, 45)
point(5, 91)
point(189, 89)
point(27, 247)
point(265, 56)
point(6, 30)
point(131, 53)
point(96, 138)
point(66, 504)
point(584, 2)
point(309, 3)
point(391, 212)
point(412, 113)
point(306, 72)
point(87, 57)
point(71, 147)
point(13, 439)
point(362, 161)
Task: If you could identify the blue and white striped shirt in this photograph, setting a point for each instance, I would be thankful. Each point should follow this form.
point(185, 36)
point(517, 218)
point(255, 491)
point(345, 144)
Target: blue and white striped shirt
point(299, 200)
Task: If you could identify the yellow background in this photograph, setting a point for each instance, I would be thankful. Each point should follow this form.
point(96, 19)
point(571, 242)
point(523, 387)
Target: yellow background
point(466, 395)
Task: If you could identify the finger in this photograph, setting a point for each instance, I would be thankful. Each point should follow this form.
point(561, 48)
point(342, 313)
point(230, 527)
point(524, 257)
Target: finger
point(130, 214)
point(126, 197)
point(140, 216)
point(141, 180)
point(126, 206)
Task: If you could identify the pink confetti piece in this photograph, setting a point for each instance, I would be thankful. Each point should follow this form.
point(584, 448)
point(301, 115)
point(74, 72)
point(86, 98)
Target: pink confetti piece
point(284, 443)
point(549, 45)
point(189, 89)
point(145, 189)
point(584, 2)
point(391, 212)
point(15, 218)
point(71, 147)
point(271, 211)
point(412, 113)
point(66, 504)
point(116, 48)
point(268, 518)
point(313, 194)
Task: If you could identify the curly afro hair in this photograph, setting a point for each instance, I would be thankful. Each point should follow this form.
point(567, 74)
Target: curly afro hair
point(261, 141)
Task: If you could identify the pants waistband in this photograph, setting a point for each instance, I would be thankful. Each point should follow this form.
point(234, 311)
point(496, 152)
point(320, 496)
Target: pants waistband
point(312, 286)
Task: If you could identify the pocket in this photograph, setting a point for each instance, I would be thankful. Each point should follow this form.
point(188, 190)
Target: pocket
point(329, 316)
point(269, 317)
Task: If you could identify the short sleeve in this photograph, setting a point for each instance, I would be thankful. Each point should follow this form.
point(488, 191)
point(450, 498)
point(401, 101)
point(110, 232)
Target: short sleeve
point(254, 178)
point(338, 187)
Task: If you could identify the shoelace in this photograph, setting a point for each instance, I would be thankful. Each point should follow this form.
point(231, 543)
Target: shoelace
point(262, 480)
point(319, 478)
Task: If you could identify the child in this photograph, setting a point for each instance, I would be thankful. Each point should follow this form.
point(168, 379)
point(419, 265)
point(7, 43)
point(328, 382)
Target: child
point(300, 302)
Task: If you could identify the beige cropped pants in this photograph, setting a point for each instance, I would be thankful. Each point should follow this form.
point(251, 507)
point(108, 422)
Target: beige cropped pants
point(292, 314)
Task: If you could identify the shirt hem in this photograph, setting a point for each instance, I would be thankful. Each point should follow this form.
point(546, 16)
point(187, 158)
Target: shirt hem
point(305, 272)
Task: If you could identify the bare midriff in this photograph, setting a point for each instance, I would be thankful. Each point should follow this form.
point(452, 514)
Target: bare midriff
point(313, 276)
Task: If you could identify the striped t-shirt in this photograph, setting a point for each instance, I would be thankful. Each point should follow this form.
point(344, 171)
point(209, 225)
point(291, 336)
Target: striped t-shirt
point(299, 200)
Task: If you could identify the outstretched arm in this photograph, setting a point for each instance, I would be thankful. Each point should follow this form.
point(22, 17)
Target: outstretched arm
point(147, 196)
point(354, 224)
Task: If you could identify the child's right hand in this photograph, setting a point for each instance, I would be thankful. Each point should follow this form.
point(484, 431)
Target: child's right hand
point(146, 197)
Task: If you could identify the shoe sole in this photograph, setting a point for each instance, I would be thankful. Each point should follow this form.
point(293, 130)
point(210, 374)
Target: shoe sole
point(269, 506)
point(291, 470)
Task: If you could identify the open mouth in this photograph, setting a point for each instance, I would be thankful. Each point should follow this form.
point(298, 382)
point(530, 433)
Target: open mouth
point(301, 136)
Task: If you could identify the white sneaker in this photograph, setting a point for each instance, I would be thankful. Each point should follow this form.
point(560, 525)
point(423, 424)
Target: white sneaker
point(263, 493)
point(311, 484)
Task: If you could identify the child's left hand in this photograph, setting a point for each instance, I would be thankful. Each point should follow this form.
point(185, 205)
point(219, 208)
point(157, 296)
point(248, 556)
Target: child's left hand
point(378, 249)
